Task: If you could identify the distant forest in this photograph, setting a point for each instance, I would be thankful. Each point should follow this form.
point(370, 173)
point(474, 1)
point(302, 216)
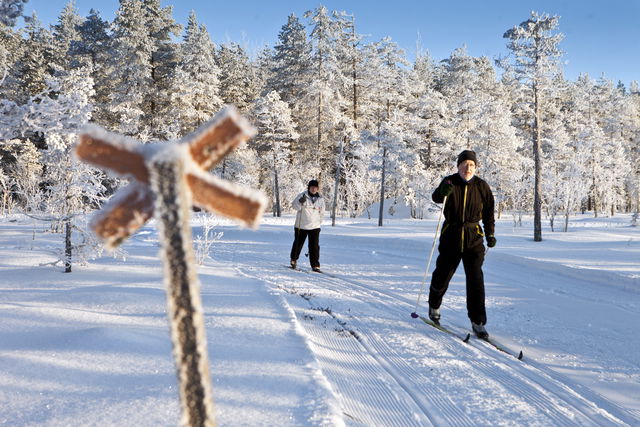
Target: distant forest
point(359, 116)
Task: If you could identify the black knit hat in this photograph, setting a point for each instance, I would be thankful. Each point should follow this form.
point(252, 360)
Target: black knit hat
point(467, 155)
point(313, 183)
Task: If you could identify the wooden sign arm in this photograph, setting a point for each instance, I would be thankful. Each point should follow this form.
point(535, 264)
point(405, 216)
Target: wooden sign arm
point(114, 153)
point(213, 141)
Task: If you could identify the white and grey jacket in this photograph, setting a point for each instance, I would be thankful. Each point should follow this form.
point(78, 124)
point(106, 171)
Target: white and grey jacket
point(310, 213)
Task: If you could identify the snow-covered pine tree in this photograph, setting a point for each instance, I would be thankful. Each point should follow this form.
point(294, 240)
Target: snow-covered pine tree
point(10, 47)
point(495, 138)
point(322, 98)
point(570, 174)
point(535, 61)
point(291, 62)
point(361, 182)
point(628, 126)
point(460, 86)
point(556, 152)
point(597, 138)
point(30, 70)
point(89, 49)
point(237, 76)
point(10, 11)
point(58, 113)
point(432, 118)
point(130, 80)
point(65, 34)
point(430, 115)
point(264, 66)
point(92, 50)
point(21, 169)
point(141, 65)
point(238, 87)
point(386, 90)
point(608, 112)
point(162, 29)
point(196, 86)
point(10, 44)
point(634, 149)
point(349, 59)
point(276, 131)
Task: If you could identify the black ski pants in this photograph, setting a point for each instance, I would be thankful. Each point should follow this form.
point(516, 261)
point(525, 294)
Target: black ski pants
point(314, 245)
point(446, 265)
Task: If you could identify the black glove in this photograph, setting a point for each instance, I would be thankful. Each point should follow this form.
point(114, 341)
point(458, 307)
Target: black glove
point(446, 188)
point(491, 241)
point(303, 199)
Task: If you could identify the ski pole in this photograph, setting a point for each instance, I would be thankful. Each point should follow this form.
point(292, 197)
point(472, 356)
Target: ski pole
point(426, 270)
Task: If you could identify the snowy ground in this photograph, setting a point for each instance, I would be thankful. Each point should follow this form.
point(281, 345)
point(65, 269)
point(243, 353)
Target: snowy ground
point(293, 348)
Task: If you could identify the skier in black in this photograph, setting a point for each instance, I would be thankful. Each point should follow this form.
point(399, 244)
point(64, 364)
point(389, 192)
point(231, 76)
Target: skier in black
point(468, 200)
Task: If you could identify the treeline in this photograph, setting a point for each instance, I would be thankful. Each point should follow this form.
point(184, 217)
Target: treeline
point(328, 104)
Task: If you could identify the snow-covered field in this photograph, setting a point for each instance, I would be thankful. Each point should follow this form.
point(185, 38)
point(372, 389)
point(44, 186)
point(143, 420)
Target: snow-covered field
point(292, 348)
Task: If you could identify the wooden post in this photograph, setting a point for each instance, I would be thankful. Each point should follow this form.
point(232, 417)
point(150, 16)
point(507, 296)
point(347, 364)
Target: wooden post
point(166, 179)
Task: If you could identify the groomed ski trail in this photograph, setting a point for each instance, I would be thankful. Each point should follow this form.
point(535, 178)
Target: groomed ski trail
point(376, 356)
point(350, 350)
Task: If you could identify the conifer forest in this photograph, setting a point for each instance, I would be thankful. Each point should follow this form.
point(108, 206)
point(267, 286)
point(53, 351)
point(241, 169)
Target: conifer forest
point(327, 103)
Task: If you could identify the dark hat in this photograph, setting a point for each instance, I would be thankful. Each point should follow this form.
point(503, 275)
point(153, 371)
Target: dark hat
point(467, 155)
point(313, 183)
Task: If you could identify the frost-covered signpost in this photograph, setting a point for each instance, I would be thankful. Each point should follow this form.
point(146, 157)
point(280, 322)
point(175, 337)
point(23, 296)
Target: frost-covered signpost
point(167, 179)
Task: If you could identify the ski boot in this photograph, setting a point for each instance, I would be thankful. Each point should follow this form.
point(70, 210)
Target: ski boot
point(434, 315)
point(480, 331)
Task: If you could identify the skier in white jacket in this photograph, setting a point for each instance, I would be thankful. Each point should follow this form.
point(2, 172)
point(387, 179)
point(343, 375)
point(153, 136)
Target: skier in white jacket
point(310, 207)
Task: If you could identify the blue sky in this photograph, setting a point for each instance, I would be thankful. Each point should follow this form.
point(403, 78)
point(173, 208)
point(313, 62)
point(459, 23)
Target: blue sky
point(600, 37)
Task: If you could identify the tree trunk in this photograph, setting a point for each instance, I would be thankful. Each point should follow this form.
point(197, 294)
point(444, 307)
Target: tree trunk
point(278, 211)
point(320, 100)
point(336, 184)
point(537, 194)
point(5, 193)
point(67, 246)
point(354, 66)
point(384, 165)
point(319, 143)
point(276, 190)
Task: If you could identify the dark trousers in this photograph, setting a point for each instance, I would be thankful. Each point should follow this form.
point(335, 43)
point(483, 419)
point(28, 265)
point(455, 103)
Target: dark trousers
point(314, 245)
point(446, 266)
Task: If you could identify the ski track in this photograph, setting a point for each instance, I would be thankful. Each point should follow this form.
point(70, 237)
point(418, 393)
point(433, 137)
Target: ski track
point(391, 397)
point(396, 392)
point(560, 405)
point(354, 372)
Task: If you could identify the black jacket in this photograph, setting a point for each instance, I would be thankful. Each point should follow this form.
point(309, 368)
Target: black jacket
point(468, 204)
